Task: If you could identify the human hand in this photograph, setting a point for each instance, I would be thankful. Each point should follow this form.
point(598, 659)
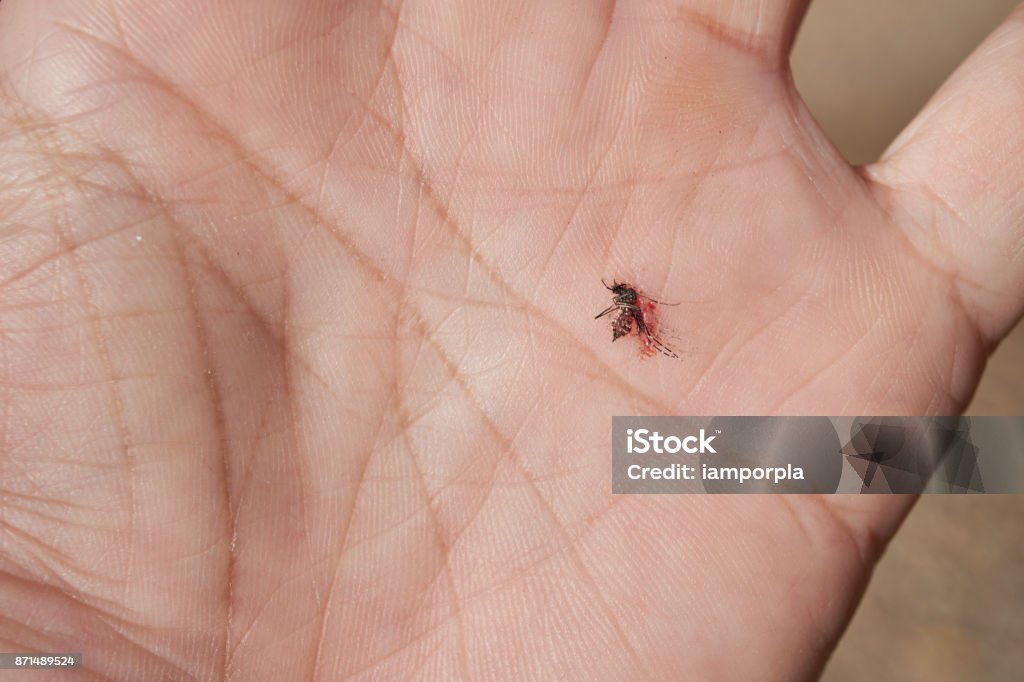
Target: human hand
point(300, 377)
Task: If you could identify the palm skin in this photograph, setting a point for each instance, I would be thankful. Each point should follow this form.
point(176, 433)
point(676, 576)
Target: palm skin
point(301, 378)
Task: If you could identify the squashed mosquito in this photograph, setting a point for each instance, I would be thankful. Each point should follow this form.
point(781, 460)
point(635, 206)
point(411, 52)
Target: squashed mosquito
point(635, 309)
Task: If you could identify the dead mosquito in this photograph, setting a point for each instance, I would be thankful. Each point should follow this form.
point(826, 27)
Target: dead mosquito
point(639, 310)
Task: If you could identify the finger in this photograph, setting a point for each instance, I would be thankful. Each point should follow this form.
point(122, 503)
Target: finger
point(953, 180)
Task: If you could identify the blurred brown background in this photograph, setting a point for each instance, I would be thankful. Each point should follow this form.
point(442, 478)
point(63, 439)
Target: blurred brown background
point(947, 600)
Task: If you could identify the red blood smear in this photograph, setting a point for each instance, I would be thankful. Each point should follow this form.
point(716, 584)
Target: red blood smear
point(647, 312)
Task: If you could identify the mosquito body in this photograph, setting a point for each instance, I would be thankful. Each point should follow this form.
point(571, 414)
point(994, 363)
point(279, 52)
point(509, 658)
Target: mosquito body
point(635, 310)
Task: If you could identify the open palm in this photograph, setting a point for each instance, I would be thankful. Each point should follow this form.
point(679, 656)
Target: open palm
point(299, 374)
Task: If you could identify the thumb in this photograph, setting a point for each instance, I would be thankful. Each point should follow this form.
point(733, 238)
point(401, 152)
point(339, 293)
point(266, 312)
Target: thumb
point(954, 180)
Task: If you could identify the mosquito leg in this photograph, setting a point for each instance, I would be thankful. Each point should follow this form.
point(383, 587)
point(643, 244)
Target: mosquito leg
point(665, 350)
point(645, 331)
